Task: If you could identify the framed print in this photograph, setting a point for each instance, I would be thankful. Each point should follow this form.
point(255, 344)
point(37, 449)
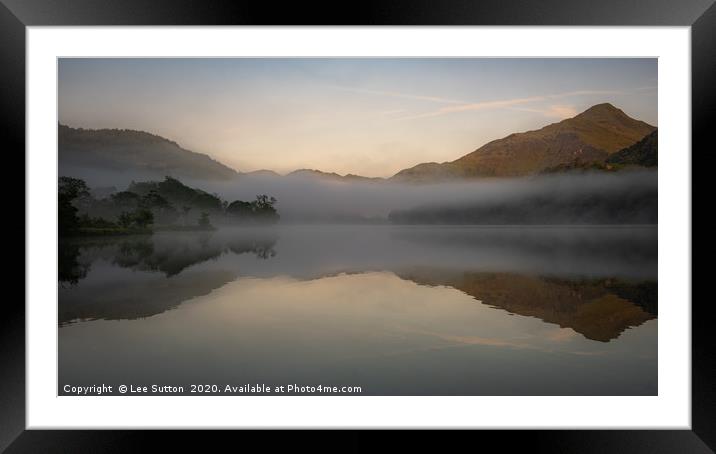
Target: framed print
point(415, 217)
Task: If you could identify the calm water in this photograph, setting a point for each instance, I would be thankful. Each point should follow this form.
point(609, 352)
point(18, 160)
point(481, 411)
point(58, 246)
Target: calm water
point(393, 310)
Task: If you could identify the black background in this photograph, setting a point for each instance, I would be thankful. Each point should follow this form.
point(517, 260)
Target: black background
point(15, 15)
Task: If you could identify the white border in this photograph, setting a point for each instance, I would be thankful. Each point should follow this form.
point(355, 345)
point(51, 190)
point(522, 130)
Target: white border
point(670, 409)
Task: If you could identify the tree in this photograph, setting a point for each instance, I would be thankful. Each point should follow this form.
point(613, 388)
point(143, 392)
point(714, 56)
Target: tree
point(178, 194)
point(260, 210)
point(263, 208)
point(125, 199)
point(160, 207)
point(69, 190)
point(154, 200)
point(239, 208)
point(125, 219)
point(264, 202)
point(205, 201)
point(143, 218)
point(67, 221)
point(72, 188)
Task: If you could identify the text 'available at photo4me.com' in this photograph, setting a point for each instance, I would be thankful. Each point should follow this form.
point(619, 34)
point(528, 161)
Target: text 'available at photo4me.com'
point(211, 389)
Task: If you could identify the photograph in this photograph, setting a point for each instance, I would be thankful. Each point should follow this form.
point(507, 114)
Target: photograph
point(361, 228)
point(357, 226)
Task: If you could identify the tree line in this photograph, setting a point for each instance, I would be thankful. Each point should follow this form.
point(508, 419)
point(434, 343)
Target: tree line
point(142, 206)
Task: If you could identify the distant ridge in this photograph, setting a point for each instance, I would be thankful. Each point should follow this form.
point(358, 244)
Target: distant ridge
point(590, 136)
point(126, 150)
point(644, 153)
point(262, 173)
point(601, 134)
point(317, 174)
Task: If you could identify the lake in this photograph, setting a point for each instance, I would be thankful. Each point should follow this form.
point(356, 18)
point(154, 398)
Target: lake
point(392, 310)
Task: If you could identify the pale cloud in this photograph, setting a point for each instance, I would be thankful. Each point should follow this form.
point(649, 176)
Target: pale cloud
point(389, 113)
point(557, 110)
point(560, 111)
point(394, 94)
point(471, 107)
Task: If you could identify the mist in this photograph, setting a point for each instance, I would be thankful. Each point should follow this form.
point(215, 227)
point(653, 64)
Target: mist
point(599, 197)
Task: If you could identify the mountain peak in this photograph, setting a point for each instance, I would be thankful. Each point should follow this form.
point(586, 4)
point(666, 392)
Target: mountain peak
point(601, 111)
point(604, 106)
point(590, 136)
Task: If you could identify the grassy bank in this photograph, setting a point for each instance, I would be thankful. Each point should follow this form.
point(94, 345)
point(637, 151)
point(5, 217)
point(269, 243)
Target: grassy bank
point(118, 231)
point(184, 228)
point(112, 231)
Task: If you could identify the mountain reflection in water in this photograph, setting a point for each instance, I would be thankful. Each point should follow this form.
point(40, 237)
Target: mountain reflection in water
point(295, 303)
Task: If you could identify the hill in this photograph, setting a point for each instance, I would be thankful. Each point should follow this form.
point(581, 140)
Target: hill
point(124, 150)
point(178, 194)
point(591, 136)
point(643, 153)
point(262, 173)
point(332, 176)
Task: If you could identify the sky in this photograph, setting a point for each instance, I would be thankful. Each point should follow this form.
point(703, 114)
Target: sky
point(365, 116)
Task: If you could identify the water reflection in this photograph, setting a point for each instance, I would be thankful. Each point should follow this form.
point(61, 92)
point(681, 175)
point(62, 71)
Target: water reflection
point(459, 310)
point(163, 271)
point(598, 309)
point(169, 253)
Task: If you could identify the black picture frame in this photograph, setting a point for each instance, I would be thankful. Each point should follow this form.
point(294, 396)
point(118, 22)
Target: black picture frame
point(16, 15)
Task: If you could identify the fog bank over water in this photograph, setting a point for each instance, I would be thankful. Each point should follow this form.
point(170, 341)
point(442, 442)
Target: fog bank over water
point(316, 199)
